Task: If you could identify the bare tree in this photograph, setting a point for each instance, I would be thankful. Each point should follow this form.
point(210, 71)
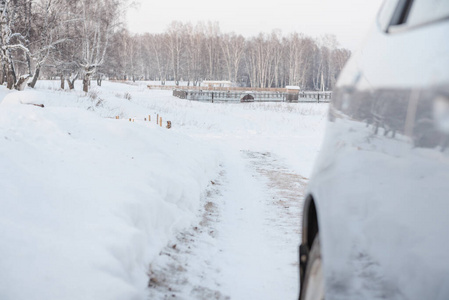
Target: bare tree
point(159, 49)
point(212, 44)
point(175, 44)
point(11, 42)
point(233, 47)
point(99, 18)
point(45, 39)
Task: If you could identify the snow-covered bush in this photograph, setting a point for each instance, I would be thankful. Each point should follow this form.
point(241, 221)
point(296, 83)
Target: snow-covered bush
point(127, 96)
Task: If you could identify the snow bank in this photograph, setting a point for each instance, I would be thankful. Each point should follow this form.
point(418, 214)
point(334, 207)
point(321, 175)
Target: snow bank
point(87, 202)
point(293, 131)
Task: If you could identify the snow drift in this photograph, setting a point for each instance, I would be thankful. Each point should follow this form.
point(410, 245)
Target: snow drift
point(88, 201)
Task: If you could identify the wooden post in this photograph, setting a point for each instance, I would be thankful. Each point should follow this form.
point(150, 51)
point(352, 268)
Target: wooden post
point(130, 119)
point(161, 122)
point(157, 119)
point(149, 118)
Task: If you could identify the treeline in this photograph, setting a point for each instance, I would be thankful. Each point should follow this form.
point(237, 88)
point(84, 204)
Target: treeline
point(86, 39)
point(199, 52)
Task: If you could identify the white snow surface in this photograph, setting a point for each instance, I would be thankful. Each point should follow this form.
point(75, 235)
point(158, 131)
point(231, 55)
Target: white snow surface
point(88, 201)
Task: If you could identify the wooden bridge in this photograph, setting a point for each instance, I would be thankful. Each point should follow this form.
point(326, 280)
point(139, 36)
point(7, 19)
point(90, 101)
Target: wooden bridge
point(243, 94)
point(251, 96)
point(211, 88)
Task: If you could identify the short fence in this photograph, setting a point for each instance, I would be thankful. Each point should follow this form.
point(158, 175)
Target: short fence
point(253, 96)
point(207, 88)
point(320, 96)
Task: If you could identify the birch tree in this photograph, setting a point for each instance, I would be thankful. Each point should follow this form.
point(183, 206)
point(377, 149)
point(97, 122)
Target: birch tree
point(212, 44)
point(175, 44)
point(11, 43)
point(233, 47)
point(45, 35)
point(99, 18)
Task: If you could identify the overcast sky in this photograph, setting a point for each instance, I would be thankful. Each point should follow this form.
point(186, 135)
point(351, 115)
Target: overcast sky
point(347, 19)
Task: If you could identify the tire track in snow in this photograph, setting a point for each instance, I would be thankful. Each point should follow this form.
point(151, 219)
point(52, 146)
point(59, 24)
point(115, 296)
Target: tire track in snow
point(185, 269)
point(283, 205)
point(250, 219)
point(286, 189)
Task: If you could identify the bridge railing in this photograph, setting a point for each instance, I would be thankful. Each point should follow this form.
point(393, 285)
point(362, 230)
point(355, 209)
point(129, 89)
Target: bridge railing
point(251, 96)
point(207, 88)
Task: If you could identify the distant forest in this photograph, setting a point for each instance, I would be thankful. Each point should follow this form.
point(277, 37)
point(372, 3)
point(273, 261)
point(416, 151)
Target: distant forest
point(87, 39)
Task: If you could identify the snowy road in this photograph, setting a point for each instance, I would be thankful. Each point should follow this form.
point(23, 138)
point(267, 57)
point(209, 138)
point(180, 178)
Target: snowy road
point(244, 244)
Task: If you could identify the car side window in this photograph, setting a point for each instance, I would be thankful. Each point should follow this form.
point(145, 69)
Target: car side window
point(404, 14)
point(386, 14)
point(425, 11)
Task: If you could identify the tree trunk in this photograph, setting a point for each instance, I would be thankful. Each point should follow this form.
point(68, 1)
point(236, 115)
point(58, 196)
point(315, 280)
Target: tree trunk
point(86, 83)
point(10, 80)
point(11, 72)
point(99, 81)
point(62, 82)
point(21, 83)
point(32, 84)
point(71, 83)
point(2, 75)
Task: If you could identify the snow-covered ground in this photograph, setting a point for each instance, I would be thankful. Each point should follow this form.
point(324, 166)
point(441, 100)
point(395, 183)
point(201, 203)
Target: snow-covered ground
point(98, 208)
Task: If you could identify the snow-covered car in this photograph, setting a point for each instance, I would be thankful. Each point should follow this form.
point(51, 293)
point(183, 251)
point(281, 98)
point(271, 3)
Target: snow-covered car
point(376, 214)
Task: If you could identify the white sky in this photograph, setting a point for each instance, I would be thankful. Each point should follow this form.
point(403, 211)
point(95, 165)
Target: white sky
point(347, 19)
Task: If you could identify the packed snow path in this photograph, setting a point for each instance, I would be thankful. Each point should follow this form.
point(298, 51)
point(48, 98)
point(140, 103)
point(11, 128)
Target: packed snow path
point(244, 245)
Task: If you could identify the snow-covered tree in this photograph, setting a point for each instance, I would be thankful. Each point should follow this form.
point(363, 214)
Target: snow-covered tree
point(98, 20)
point(12, 44)
point(44, 34)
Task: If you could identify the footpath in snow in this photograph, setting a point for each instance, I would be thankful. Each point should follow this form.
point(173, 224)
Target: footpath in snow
point(243, 247)
point(99, 208)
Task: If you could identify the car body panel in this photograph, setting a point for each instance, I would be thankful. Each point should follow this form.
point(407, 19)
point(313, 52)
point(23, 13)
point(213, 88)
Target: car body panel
point(381, 182)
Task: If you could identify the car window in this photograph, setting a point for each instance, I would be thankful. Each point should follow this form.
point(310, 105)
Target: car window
point(399, 15)
point(386, 13)
point(424, 11)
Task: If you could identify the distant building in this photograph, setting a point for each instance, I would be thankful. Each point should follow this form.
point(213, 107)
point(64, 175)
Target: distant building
point(292, 93)
point(220, 83)
point(293, 89)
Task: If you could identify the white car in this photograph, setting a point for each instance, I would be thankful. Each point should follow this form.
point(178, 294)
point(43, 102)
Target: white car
point(376, 216)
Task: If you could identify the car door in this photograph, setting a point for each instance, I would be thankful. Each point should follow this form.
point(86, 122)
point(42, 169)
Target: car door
point(381, 183)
